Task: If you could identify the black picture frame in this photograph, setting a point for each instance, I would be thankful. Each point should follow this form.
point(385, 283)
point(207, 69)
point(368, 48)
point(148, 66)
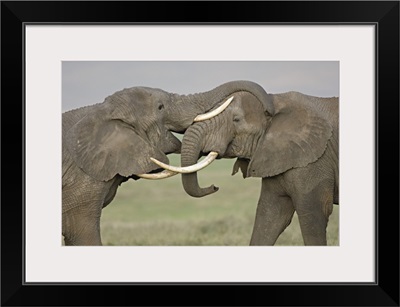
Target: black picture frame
point(383, 14)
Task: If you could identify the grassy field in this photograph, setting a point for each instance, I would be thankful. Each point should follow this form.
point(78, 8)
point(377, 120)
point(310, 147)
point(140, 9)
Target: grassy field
point(160, 212)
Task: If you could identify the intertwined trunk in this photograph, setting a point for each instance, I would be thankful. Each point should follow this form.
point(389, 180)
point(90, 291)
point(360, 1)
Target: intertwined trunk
point(184, 108)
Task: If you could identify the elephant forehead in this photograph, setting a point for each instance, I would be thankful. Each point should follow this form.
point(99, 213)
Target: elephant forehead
point(141, 96)
point(252, 108)
point(235, 108)
point(152, 94)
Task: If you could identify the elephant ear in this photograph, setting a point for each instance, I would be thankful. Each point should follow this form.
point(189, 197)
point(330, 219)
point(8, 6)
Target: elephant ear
point(297, 136)
point(105, 148)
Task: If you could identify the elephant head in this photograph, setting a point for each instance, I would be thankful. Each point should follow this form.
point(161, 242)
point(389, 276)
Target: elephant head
point(116, 136)
point(269, 134)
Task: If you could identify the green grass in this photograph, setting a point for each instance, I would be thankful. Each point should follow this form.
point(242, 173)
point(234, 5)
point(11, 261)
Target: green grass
point(147, 212)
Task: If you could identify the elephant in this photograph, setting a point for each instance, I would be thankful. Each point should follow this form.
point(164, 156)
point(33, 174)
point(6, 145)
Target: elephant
point(106, 144)
point(289, 140)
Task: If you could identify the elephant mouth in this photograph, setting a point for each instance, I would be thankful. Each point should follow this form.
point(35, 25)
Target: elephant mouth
point(229, 151)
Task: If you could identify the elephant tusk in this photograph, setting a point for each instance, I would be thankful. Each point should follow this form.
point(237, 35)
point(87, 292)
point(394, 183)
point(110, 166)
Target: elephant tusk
point(162, 175)
point(213, 113)
point(188, 169)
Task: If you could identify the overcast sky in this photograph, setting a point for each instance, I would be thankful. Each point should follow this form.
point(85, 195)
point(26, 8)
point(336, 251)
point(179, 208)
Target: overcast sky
point(89, 82)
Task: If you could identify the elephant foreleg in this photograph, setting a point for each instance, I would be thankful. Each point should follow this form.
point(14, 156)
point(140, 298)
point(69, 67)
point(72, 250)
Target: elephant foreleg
point(314, 211)
point(81, 227)
point(274, 214)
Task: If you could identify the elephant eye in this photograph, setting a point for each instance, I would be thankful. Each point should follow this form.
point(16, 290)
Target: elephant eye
point(160, 107)
point(236, 119)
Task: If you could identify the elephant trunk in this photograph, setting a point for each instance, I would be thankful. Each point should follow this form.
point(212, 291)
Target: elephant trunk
point(191, 152)
point(186, 107)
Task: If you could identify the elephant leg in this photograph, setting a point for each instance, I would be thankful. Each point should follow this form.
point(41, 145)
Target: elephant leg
point(81, 227)
point(274, 214)
point(313, 211)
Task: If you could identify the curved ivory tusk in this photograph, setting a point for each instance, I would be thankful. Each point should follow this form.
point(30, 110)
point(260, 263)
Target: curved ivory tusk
point(156, 176)
point(213, 113)
point(189, 169)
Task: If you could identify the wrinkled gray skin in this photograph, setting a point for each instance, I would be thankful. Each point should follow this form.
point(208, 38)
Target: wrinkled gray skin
point(289, 140)
point(104, 145)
